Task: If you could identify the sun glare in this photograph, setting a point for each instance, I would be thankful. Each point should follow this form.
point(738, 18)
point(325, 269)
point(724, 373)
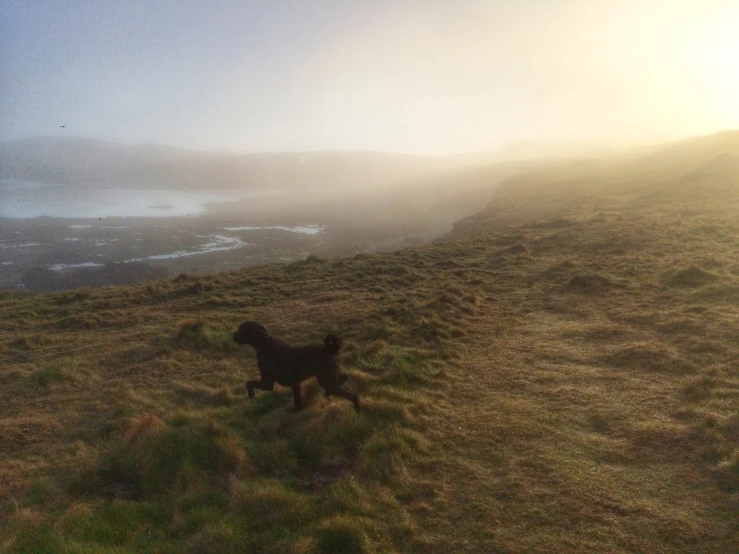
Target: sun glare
point(725, 69)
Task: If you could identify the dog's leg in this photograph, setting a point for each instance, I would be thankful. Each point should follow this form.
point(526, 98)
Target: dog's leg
point(261, 385)
point(340, 380)
point(338, 391)
point(298, 399)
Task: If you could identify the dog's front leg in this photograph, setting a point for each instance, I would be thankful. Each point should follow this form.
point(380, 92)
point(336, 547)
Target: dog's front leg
point(331, 384)
point(296, 396)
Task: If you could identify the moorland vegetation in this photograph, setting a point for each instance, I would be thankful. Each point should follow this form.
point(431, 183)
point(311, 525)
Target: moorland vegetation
point(558, 376)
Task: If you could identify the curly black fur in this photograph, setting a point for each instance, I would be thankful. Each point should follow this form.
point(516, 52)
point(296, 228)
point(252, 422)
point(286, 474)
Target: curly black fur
point(291, 365)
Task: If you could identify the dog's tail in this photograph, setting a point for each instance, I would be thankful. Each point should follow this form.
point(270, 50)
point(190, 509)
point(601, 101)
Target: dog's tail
point(332, 344)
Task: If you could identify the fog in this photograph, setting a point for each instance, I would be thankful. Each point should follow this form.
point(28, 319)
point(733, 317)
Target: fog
point(429, 77)
point(207, 136)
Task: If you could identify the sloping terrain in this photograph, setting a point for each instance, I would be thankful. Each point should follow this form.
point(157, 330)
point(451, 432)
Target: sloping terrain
point(560, 376)
point(76, 162)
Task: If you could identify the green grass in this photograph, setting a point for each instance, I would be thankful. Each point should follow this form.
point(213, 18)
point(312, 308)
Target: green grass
point(49, 374)
point(176, 457)
point(559, 378)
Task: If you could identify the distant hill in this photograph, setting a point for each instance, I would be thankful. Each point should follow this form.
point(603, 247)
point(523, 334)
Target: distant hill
point(542, 150)
point(685, 171)
point(73, 161)
point(695, 151)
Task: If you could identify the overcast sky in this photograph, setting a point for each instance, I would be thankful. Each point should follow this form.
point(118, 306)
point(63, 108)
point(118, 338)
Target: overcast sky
point(426, 76)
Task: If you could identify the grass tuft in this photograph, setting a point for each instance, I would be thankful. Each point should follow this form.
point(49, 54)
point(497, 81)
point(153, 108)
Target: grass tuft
point(692, 276)
point(191, 326)
point(28, 343)
point(644, 356)
point(588, 284)
point(144, 427)
point(516, 249)
point(55, 372)
point(710, 420)
point(698, 388)
point(199, 334)
point(343, 534)
point(158, 460)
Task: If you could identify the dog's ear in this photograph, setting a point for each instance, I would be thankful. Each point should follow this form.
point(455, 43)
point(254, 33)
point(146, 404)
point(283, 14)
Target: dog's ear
point(256, 328)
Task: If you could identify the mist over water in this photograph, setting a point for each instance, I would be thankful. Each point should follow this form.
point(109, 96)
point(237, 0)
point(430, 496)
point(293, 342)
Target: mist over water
point(21, 200)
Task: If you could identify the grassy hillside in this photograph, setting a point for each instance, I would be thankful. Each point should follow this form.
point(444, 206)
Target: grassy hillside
point(559, 377)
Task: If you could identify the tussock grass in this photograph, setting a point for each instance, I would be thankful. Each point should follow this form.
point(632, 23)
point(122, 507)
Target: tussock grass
point(223, 396)
point(194, 331)
point(556, 223)
point(648, 357)
point(516, 249)
point(564, 267)
point(343, 534)
point(60, 371)
point(28, 343)
point(698, 388)
point(718, 293)
point(692, 276)
point(155, 460)
point(589, 284)
point(202, 335)
point(710, 420)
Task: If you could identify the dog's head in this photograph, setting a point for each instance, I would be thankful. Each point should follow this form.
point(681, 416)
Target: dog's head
point(250, 332)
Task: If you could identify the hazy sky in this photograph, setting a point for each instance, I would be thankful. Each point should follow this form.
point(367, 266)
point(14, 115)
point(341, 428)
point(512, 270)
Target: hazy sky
point(432, 76)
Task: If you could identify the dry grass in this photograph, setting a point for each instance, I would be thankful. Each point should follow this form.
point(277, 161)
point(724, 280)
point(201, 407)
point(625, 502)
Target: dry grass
point(551, 381)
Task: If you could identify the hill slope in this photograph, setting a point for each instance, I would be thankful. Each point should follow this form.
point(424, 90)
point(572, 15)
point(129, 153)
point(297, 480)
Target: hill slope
point(560, 376)
point(80, 162)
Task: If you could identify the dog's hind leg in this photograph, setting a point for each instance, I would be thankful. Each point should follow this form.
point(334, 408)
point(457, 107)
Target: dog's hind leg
point(261, 385)
point(338, 391)
point(340, 380)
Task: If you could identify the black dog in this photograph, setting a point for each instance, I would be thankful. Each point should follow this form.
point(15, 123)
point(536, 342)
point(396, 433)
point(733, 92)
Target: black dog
point(291, 365)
